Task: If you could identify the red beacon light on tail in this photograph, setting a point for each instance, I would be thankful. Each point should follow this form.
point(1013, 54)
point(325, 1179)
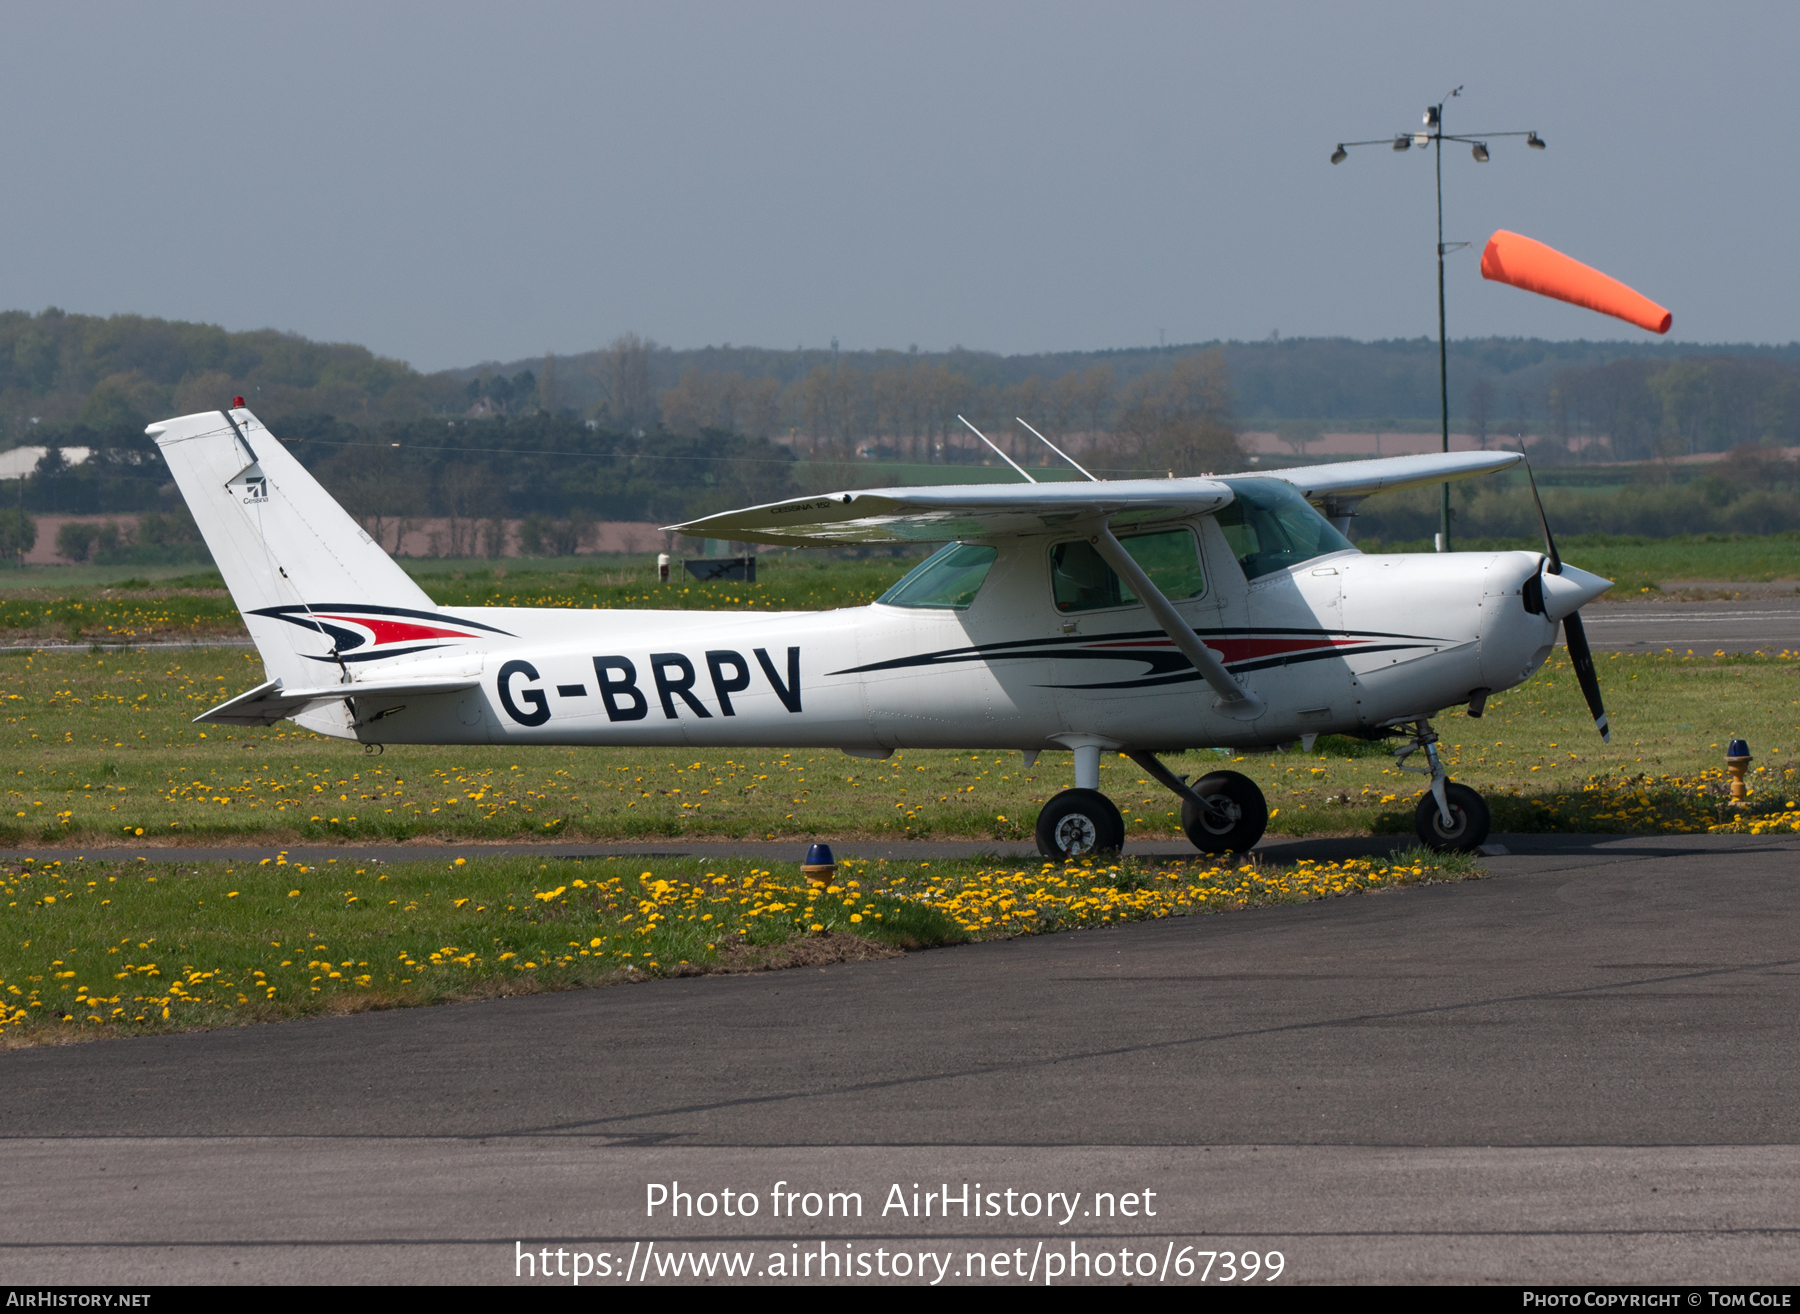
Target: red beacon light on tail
point(237, 403)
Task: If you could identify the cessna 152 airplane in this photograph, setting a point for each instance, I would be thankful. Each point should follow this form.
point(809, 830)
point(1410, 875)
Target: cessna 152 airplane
point(1138, 616)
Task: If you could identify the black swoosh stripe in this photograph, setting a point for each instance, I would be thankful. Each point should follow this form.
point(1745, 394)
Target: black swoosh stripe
point(1157, 680)
point(1041, 649)
point(298, 615)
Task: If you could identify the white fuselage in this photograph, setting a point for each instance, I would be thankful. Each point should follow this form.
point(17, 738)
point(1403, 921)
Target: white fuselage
point(1341, 643)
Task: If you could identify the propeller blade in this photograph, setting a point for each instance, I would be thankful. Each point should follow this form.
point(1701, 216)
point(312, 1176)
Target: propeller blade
point(1549, 542)
point(1581, 657)
point(1575, 635)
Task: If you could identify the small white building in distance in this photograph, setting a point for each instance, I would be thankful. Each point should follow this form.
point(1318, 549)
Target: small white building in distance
point(21, 462)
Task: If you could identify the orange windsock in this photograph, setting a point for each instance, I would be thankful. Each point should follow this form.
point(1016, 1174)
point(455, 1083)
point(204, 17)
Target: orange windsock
point(1530, 265)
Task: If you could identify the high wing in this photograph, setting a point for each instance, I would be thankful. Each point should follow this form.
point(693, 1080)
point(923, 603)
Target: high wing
point(268, 703)
point(937, 514)
point(1387, 474)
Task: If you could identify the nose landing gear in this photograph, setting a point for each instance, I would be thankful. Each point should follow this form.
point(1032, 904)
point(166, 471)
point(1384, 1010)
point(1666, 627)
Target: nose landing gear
point(1451, 818)
point(1468, 828)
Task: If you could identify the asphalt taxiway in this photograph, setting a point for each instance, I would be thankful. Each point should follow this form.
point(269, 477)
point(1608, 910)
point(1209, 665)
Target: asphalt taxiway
point(1579, 1068)
point(1769, 624)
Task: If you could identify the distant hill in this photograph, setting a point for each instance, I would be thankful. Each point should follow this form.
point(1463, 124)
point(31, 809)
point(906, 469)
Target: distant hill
point(636, 431)
point(1340, 381)
point(61, 370)
point(107, 373)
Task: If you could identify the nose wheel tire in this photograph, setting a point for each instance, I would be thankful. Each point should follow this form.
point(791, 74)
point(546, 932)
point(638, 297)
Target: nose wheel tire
point(1468, 817)
point(1238, 818)
point(1079, 823)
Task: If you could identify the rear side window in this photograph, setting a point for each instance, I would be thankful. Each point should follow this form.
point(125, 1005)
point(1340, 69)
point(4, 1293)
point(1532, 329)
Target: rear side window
point(948, 579)
point(1081, 581)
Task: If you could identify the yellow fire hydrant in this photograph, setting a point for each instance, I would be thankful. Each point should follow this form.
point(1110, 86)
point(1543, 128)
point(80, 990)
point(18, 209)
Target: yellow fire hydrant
point(1737, 761)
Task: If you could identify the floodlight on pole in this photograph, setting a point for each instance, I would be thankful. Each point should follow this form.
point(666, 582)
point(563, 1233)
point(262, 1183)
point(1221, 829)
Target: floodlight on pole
point(1434, 135)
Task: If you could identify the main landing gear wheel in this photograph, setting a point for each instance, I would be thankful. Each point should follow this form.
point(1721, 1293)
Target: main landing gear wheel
point(1079, 823)
point(1468, 816)
point(1238, 818)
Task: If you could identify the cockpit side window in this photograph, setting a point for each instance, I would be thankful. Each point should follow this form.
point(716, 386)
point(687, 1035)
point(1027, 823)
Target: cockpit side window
point(1081, 581)
point(947, 580)
point(1271, 527)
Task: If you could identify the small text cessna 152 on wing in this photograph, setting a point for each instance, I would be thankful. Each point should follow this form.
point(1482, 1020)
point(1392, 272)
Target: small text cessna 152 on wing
point(1138, 616)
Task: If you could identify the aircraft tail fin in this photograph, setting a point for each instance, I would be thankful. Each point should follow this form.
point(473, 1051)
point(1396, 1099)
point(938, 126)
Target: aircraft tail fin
point(286, 549)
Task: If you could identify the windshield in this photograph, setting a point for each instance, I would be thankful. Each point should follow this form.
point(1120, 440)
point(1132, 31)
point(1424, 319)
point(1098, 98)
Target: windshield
point(948, 578)
point(1271, 527)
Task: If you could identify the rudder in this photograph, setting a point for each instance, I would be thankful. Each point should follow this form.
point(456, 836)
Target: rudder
point(284, 546)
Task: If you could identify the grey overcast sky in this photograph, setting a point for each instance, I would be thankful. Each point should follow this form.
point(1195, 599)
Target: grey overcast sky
point(450, 183)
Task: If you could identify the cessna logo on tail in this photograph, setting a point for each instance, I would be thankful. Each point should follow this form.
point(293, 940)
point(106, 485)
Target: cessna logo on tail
point(252, 483)
point(672, 678)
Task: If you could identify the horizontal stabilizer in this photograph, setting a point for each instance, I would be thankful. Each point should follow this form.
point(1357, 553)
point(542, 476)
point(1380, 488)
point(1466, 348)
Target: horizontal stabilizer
point(268, 703)
point(937, 514)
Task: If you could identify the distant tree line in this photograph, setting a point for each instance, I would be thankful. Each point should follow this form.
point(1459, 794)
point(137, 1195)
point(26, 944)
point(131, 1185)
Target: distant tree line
point(1337, 382)
point(552, 470)
point(1754, 490)
point(558, 474)
point(123, 472)
point(1641, 409)
point(59, 370)
point(636, 431)
point(499, 395)
point(1180, 415)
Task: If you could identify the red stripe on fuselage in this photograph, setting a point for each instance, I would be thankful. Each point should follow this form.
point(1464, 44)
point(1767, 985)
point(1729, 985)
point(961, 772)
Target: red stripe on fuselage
point(394, 631)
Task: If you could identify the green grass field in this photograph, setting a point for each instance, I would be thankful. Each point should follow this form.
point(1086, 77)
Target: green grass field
point(1645, 567)
point(101, 748)
point(94, 948)
point(93, 604)
point(138, 608)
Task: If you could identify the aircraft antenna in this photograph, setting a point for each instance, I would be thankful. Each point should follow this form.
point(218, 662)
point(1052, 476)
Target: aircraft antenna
point(1059, 451)
point(997, 452)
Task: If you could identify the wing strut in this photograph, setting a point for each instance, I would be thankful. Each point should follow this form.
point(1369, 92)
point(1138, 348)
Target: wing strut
point(1235, 701)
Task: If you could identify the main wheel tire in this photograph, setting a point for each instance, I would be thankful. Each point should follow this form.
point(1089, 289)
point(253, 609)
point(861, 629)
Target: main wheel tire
point(1468, 814)
point(1079, 823)
point(1241, 815)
